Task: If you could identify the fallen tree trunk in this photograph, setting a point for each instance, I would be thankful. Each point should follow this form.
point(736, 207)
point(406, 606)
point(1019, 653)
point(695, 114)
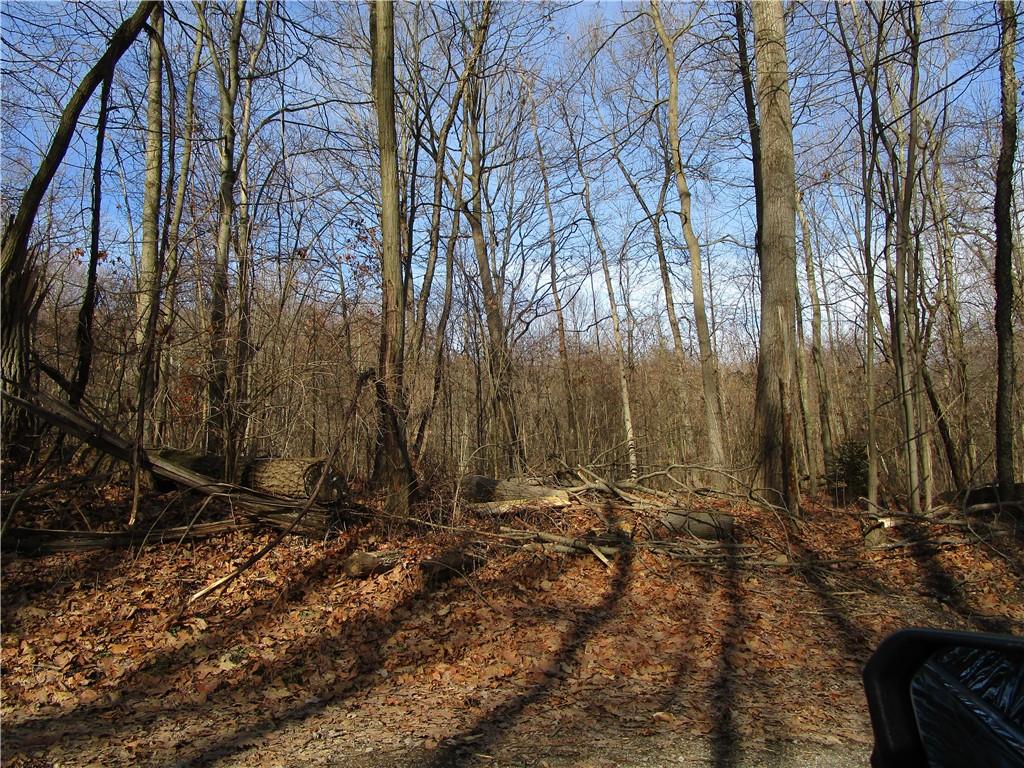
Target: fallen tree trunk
point(498, 494)
point(703, 525)
point(272, 510)
point(291, 477)
point(41, 541)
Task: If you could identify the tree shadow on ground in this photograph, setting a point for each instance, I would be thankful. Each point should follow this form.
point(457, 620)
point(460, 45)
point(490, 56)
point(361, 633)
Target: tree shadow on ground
point(356, 648)
point(729, 688)
point(942, 585)
point(135, 689)
point(488, 730)
point(66, 572)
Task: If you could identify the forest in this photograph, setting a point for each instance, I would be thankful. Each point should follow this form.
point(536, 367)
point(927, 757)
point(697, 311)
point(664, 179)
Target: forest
point(396, 371)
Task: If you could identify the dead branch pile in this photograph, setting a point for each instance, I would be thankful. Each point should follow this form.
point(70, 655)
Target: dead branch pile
point(276, 511)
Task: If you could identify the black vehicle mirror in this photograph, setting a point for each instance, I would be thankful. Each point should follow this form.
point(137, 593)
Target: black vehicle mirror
point(942, 699)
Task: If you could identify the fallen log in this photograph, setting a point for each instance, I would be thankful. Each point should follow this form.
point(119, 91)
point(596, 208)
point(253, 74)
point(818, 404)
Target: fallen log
point(712, 526)
point(496, 495)
point(288, 514)
point(43, 541)
point(362, 565)
point(290, 477)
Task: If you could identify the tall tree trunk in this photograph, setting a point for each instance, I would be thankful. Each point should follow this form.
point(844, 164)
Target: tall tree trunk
point(446, 306)
point(753, 127)
point(420, 312)
point(708, 358)
point(153, 247)
point(902, 346)
point(242, 370)
point(812, 460)
point(148, 294)
point(218, 435)
point(868, 145)
point(395, 469)
point(778, 258)
point(959, 453)
point(1004, 250)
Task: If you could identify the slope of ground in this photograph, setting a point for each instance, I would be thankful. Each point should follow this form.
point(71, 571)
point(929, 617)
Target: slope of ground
point(748, 657)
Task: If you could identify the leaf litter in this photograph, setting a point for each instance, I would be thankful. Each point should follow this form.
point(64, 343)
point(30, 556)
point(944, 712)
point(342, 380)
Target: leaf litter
point(534, 658)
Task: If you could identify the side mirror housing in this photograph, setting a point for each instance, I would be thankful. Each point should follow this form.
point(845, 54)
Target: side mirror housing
point(941, 699)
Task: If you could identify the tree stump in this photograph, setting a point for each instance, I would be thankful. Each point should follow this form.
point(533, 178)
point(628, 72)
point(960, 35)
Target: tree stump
point(361, 565)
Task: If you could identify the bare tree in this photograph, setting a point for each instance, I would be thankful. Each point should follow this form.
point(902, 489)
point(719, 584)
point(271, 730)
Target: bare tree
point(778, 256)
point(613, 308)
point(1004, 249)
point(708, 359)
point(17, 274)
point(393, 465)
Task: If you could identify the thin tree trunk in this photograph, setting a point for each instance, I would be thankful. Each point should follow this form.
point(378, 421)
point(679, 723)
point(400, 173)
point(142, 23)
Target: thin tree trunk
point(813, 464)
point(83, 329)
point(654, 219)
point(708, 359)
point(954, 347)
point(242, 372)
point(173, 244)
point(420, 313)
point(868, 145)
point(563, 347)
point(499, 359)
point(151, 255)
point(446, 307)
point(817, 353)
point(753, 126)
point(903, 314)
point(227, 75)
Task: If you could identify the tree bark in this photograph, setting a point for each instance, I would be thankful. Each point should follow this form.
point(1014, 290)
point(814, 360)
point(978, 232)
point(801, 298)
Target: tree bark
point(218, 437)
point(394, 468)
point(1004, 249)
point(778, 258)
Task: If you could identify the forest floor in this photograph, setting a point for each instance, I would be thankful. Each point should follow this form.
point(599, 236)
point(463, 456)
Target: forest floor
point(752, 658)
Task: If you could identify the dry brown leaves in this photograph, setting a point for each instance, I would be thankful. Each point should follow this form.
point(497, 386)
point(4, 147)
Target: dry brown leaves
point(100, 661)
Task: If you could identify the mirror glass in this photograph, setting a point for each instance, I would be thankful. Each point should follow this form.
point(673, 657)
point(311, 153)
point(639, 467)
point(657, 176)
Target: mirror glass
point(969, 704)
